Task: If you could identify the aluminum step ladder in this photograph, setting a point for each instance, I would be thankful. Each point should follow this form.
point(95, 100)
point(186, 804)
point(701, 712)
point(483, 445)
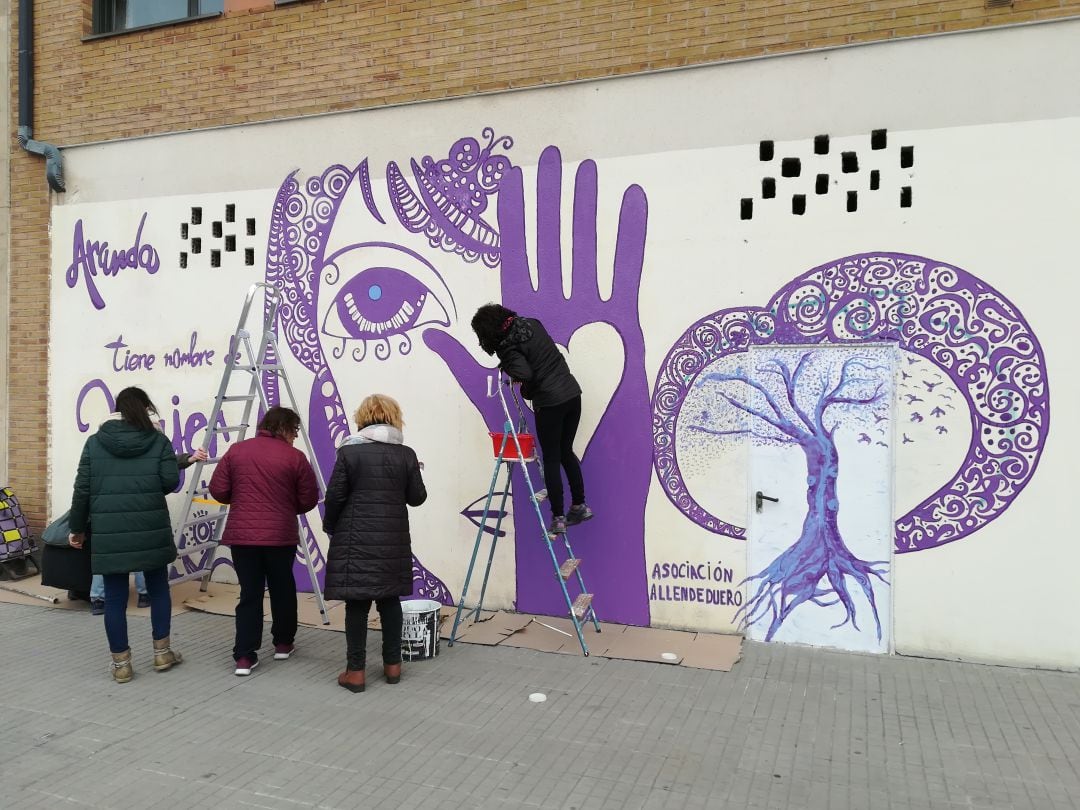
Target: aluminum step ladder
point(580, 608)
point(256, 355)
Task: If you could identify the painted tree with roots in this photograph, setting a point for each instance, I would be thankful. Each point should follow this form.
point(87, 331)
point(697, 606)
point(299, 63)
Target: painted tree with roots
point(806, 410)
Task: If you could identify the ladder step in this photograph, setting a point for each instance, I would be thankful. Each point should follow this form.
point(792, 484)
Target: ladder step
point(540, 496)
point(259, 367)
point(238, 398)
point(581, 605)
point(201, 547)
point(230, 428)
point(567, 569)
point(203, 519)
point(199, 574)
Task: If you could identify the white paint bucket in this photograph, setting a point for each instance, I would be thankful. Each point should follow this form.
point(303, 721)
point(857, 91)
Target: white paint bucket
point(419, 629)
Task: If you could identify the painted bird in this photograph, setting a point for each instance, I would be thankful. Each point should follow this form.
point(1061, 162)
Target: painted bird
point(882, 444)
point(907, 440)
point(864, 438)
point(937, 412)
point(879, 419)
point(941, 429)
point(912, 399)
point(916, 416)
point(930, 386)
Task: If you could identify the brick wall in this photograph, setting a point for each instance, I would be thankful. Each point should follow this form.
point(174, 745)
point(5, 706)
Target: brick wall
point(319, 56)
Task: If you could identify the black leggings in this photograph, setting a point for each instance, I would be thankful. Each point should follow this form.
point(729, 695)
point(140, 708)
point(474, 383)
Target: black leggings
point(356, 619)
point(556, 428)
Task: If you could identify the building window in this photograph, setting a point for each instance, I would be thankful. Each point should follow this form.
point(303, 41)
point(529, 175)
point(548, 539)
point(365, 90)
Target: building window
point(123, 15)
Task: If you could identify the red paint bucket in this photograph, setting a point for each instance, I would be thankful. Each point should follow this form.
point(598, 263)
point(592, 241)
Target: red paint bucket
point(526, 440)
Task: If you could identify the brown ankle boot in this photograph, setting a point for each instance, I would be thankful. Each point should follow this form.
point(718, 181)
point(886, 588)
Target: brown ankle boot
point(121, 667)
point(164, 657)
point(352, 679)
point(393, 672)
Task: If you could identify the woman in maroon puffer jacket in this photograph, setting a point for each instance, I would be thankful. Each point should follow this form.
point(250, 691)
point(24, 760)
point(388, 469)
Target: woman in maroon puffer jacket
point(267, 483)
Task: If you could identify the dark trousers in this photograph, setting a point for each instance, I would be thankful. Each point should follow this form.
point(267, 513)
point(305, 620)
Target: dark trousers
point(356, 618)
point(116, 599)
point(556, 428)
point(259, 568)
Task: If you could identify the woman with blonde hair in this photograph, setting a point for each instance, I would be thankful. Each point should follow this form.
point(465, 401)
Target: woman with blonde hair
point(376, 478)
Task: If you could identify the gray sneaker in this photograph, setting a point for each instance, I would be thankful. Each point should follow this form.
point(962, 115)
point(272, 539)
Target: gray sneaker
point(578, 513)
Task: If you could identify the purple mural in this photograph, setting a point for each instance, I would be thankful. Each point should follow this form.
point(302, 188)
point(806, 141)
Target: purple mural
point(381, 304)
point(451, 196)
point(804, 403)
point(301, 221)
point(617, 459)
point(972, 334)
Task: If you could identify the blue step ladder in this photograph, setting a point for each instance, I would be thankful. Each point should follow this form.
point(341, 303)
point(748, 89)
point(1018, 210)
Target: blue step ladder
point(508, 456)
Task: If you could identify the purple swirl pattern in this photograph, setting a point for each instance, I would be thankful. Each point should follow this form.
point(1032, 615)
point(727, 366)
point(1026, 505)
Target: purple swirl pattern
point(965, 327)
point(452, 195)
point(302, 219)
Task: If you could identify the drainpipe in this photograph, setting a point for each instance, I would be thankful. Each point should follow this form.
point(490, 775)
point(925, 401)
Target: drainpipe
point(54, 164)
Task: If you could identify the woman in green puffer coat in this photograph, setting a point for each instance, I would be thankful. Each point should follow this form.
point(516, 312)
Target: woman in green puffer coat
point(125, 471)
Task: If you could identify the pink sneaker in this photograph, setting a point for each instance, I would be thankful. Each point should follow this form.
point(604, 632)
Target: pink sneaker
point(283, 651)
point(245, 665)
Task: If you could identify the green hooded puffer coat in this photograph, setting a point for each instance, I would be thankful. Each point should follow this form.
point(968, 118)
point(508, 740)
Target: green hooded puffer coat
point(120, 488)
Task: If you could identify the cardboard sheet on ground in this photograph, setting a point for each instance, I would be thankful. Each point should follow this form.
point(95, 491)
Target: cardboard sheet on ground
point(543, 633)
point(220, 599)
point(9, 592)
point(675, 647)
point(643, 644)
point(713, 651)
point(493, 627)
point(502, 628)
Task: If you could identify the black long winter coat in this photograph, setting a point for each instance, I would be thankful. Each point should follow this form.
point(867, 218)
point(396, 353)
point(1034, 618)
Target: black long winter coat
point(367, 518)
point(529, 355)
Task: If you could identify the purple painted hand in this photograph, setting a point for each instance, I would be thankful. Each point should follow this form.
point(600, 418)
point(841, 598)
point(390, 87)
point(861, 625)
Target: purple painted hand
point(617, 461)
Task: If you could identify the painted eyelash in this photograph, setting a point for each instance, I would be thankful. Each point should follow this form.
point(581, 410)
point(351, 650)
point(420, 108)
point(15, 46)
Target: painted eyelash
point(396, 321)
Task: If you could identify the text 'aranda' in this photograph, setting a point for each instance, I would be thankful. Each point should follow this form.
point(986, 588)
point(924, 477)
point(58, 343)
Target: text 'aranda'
point(91, 257)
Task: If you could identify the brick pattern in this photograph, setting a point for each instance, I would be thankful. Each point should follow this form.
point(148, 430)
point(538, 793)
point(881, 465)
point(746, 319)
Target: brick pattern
point(312, 57)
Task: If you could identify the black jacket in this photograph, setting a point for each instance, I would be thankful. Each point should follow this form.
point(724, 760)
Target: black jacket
point(529, 355)
point(370, 554)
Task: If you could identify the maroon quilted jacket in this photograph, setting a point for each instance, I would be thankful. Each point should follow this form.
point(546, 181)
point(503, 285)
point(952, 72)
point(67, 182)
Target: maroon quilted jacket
point(267, 482)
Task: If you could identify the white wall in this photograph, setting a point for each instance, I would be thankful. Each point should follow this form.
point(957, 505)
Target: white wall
point(994, 193)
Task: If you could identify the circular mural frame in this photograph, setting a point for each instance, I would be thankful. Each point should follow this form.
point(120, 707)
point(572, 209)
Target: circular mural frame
point(965, 327)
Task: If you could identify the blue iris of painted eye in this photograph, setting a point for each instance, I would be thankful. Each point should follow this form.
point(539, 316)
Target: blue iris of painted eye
point(381, 302)
point(376, 296)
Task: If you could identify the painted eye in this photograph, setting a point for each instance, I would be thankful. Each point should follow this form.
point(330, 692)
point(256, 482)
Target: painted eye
point(378, 302)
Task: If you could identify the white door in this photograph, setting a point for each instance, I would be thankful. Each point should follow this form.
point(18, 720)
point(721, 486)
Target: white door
point(819, 420)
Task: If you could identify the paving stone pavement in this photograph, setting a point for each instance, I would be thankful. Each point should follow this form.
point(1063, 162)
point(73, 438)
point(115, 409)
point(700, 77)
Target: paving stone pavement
point(789, 727)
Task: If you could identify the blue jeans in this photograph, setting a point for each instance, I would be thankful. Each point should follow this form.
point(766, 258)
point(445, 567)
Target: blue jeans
point(116, 599)
point(97, 586)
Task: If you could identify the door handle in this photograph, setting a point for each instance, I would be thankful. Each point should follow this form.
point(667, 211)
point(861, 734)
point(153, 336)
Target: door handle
point(759, 496)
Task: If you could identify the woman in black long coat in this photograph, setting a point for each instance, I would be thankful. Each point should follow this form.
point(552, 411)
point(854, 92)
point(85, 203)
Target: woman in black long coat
point(375, 479)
